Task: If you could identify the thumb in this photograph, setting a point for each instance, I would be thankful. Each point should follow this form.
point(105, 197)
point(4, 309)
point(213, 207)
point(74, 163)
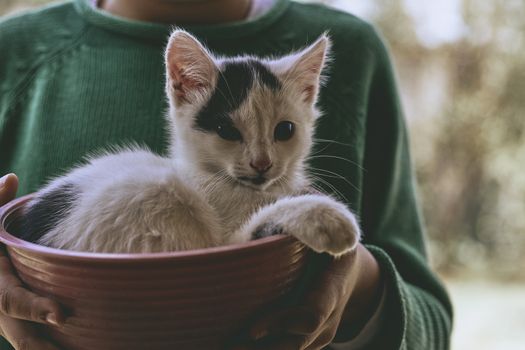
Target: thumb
point(8, 187)
point(18, 302)
point(23, 335)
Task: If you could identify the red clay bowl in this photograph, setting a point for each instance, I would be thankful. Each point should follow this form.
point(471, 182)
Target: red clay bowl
point(196, 299)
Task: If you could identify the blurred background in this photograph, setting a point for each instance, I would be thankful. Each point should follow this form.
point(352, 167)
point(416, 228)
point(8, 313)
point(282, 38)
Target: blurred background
point(461, 72)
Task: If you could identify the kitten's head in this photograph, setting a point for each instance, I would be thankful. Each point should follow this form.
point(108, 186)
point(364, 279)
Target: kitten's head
point(247, 119)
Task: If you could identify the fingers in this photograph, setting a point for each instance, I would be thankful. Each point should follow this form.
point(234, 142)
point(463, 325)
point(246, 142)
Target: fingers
point(295, 328)
point(15, 300)
point(297, 321)
point(18, 302)
point(321, 342)
point(325, 338)
point(313, 323)
point(22, 335)
point(316, 340)
point(8, 187)
point(342, 269)
point(315, 309)
point(287, 342)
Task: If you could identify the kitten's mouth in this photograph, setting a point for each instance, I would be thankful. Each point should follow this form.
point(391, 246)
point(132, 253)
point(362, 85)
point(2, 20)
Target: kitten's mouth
point(256, 180)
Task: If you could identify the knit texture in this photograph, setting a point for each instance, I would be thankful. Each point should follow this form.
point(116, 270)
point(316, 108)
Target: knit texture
point(74, 80)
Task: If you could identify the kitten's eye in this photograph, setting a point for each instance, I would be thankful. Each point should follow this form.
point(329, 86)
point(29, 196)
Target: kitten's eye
point(284, 131)
point(228, 132)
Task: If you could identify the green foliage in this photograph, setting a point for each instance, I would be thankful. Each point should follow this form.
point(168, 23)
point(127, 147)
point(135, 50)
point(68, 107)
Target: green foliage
point(469, 149)
point(10, 6)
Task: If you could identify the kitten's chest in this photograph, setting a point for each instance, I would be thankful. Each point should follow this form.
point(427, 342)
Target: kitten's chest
point(234, 207)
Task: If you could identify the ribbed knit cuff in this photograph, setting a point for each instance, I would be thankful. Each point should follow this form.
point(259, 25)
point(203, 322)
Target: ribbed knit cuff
point(4, 344)
point(394, 325)
point(369, 331)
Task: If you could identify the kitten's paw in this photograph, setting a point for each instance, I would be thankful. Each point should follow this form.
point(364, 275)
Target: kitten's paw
point(321, 223)
point(327, 227)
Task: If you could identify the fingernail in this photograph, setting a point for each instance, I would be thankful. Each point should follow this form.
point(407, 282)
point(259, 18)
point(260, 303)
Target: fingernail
point(3, 180)
point(52, 319)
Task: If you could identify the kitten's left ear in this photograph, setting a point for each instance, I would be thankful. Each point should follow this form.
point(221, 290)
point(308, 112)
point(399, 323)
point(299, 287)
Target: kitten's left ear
point(190, 68)
point(303, 69)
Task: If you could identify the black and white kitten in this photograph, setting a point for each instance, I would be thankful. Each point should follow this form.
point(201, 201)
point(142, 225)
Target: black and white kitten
point(241, 130)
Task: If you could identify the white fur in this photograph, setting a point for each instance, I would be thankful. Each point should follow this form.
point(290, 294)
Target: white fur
point(135, 201)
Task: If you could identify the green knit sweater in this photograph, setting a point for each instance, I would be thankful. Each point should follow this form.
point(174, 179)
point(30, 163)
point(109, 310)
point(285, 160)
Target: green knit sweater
point(74, 80)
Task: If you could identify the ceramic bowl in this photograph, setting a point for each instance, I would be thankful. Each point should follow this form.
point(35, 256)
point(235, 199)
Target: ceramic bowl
point(199, 299)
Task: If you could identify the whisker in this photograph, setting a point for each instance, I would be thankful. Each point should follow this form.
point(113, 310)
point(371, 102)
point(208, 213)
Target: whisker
point(229, 90)
point(215, 181)
point(334, 175)
point(337, 157)
point(328, 171)
point(320, 151)
point(281, 183)
point(317, 187)
point(315, 139)
point(335, 191)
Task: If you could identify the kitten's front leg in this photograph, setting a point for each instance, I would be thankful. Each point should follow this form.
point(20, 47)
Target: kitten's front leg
point(320, 222)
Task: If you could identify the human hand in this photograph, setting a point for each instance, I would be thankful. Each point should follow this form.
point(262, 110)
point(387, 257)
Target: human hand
point(339, 303)
point(17, 304)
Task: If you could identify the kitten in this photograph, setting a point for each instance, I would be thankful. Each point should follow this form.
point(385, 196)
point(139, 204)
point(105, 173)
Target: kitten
point(241, 129)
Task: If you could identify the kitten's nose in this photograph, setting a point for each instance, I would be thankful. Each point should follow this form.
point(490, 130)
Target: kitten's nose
point(261, 165)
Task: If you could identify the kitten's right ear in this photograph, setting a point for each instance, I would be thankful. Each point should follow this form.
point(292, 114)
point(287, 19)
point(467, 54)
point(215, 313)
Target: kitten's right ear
point(190, 69)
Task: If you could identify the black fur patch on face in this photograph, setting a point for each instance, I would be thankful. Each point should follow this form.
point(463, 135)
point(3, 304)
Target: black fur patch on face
point(47, 212)
point(264, 75)
point(234, 83)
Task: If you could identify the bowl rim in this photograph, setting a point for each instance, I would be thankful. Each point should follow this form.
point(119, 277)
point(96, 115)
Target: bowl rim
point(14, 242)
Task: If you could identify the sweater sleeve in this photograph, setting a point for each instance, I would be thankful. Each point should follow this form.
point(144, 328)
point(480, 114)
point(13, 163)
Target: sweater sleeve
point(418, 313)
